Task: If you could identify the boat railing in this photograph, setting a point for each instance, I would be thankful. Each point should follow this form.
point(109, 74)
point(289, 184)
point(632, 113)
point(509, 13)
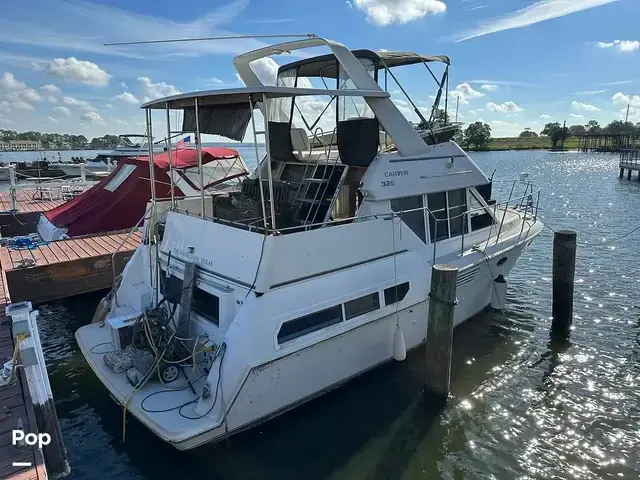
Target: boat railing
point(523, 205)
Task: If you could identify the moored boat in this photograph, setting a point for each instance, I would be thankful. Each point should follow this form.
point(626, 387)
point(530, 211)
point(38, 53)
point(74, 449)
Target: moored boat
point(238, 307)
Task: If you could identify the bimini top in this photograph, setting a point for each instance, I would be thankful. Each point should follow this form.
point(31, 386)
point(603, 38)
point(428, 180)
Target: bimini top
point(325, 65)
point(237, 96)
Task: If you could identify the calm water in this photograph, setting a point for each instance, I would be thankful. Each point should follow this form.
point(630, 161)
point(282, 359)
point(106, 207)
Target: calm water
point(523, 406)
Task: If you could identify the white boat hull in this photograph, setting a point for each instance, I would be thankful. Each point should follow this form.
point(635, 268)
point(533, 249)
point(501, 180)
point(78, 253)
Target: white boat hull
point(280, 384)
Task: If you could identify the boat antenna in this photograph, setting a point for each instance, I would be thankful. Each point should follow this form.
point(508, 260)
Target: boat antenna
point(201, 39)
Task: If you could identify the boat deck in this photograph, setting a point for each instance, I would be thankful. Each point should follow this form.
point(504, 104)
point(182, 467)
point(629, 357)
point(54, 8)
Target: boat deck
point(16, 409)
point(30, 203)
point(66, 267)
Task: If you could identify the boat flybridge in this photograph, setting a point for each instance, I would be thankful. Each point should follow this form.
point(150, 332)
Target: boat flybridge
point(240, 306)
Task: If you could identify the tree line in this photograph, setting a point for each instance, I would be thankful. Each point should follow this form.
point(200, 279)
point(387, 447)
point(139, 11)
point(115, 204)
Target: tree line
point(53, 141)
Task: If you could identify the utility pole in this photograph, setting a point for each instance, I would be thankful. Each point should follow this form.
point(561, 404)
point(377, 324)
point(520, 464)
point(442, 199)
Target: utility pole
point(626, 119)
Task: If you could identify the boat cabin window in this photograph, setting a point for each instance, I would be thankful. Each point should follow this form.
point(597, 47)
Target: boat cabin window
point(396, 293)
point(309, 323)
point(120, 177)
point(447, 218)
point(362, 305)
point(413, 214)
point(206, 305)
point(203, 303)
point(479, 216)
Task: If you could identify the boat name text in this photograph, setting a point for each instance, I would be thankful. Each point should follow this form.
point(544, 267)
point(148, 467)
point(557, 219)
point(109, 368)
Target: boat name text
point(185, 255)
point(400, 173)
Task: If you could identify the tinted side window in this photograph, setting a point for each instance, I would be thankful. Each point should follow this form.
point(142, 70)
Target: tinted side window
point(309, 323)
point(362, 305)
point(206, 305)
point(457, 208)
point(415, 219)
point(396, 294)
point(437, 203)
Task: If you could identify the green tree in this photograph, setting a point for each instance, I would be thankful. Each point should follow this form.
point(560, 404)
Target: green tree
point(618, 127)
point(577, 130)
point(478, 134)
point(528, 133)
point(593, 127)
point(459, 137)
point(556, 132)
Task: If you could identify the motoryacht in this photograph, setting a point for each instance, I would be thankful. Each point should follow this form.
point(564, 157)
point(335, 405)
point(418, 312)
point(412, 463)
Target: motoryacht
point(130, 146)
point(239, 306)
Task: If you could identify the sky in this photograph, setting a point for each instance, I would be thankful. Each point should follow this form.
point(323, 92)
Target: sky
point(515, 63)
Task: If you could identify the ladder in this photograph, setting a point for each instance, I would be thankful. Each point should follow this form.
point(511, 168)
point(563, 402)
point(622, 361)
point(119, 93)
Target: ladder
point(318, 192)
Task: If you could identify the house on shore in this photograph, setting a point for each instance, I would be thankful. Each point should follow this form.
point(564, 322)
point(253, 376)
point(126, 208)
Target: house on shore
point(24, 145)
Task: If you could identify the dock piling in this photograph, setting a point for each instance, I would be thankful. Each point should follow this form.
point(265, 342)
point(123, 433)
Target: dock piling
point(83, 173)
point(27, 337)
point(564, 268)
point(439, 343)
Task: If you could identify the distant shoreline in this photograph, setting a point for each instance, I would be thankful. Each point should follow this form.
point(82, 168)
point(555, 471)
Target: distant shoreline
point(518, 143)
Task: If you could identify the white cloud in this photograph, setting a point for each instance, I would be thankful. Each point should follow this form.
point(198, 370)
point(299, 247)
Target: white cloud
point(622, 99)
point(545, 117)
point(5, 106)
point(506, 107)
point(52, 99)
point(625, 46)
point(123, 85)
point(152, 90)
point(465, 93)
point(9, 83)
point(74, 102)
point(127, 97)
point(108, 105)
point(266, 68)
point(590, 92)
point(63, 110)
point(584, 106)
point(30, 95)
point(215, 81)
point(50, 89)
point(537, 12)
point(472, 112)
point(489, 87)
point(575, 115)
point(385, 12)
point(93, 117)
point(21, 105)
point(81, 26)
point(78, 71)
point(51, 119)
point(499, 123)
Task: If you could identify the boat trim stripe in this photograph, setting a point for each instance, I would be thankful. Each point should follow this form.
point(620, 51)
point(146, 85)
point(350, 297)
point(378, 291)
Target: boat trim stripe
point(441, 157)
point(337, 269)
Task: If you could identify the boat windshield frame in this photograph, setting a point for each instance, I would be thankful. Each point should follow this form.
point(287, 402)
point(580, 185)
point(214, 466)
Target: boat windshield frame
point(243, 100)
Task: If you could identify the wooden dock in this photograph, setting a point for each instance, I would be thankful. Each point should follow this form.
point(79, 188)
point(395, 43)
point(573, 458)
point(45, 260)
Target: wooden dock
point(30, 203)
point(607, 142)
point(66, 267)
point(16, 408)
point(630, 161)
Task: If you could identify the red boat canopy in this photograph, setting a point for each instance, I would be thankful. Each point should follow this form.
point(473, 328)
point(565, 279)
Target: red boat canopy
point(189, 157)
point(119, 201)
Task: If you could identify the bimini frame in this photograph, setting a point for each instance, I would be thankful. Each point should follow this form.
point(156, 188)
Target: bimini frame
point(241, 100)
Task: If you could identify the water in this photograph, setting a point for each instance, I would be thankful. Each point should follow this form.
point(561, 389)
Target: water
point(18, 157)
point(523, 406)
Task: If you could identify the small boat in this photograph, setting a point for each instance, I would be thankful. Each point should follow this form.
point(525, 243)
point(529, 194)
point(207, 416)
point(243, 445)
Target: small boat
point(119, 201)
point(130, 146)
point(238, 307)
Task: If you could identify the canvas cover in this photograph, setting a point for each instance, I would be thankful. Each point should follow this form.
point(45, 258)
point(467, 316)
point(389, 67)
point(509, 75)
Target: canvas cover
point(118, 201)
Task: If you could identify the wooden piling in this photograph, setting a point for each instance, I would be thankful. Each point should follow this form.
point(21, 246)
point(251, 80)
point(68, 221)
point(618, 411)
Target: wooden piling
point(564, 268)
point(621, 172)
point(442, 299)
point(629, 174)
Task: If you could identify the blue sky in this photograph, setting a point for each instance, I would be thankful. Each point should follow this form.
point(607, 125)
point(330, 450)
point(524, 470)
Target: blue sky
point(515, 64)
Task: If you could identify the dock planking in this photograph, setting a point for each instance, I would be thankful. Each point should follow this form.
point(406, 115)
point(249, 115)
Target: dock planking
point(29, 205)
point(66, 267)
point(16, 409)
